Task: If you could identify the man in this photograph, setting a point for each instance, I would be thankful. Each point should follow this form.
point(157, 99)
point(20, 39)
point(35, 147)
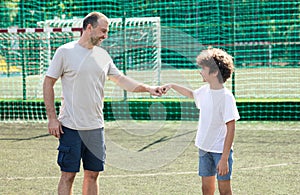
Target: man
point(83, 68)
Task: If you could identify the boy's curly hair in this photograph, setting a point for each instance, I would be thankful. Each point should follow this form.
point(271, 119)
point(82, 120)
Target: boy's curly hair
point(217, 60)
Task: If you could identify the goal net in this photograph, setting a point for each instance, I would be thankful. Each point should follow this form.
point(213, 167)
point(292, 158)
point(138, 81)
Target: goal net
point(262, 36)
point(134, 47)
point(133, 43)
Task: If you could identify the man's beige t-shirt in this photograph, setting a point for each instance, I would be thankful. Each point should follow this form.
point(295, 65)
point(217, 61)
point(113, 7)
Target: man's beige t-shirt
point(83, 74)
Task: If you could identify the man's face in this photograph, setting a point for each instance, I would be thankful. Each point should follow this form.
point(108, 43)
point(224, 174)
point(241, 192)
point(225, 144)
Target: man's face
point(99, 33)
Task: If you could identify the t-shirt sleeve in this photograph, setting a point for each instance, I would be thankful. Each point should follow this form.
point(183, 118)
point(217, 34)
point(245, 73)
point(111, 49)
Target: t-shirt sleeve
point(113, 70)
point(55, 70)
point(198, 95)
point(231, 111)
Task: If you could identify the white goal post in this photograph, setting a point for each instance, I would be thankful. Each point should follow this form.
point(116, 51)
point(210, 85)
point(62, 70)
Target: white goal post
point(134, 45)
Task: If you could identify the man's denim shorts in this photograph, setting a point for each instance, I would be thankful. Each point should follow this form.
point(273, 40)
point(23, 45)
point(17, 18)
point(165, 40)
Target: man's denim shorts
point(85, 145)
point(208, 162)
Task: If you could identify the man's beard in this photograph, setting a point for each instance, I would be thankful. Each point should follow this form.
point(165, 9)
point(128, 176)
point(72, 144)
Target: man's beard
point(95, 41)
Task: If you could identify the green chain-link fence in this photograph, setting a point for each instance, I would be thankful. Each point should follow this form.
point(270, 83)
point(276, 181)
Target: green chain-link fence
point(262, 35)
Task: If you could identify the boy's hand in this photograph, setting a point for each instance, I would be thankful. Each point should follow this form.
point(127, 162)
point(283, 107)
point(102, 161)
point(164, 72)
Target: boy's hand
point(155, 90)
point(165, 88)
point(223, 167)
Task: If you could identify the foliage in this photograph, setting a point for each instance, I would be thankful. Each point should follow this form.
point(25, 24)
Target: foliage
point(221, 23)
point(9, 10)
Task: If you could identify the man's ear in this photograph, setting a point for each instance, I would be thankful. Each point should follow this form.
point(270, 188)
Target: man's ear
point(89, 27)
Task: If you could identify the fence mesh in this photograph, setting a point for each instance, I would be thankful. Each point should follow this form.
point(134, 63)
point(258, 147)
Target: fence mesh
point(263, 36)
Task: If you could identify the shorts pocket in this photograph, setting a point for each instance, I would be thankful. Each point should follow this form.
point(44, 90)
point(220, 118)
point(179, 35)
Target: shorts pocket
point(63, 151)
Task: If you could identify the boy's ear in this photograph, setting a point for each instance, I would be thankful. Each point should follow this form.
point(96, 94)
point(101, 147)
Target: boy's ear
point(215, 73)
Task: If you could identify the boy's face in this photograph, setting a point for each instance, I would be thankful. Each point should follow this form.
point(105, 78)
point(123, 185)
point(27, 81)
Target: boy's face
point(204, 73)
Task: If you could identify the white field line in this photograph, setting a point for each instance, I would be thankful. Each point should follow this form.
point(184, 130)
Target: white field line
point(106, 176)
point(268, 166)
point(150, 174)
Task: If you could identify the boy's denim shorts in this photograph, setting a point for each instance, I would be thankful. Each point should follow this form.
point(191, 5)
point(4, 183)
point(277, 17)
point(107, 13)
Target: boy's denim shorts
point(85, 145)
point(208, 162)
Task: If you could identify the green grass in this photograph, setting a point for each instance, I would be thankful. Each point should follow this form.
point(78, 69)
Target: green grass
point(266, 157)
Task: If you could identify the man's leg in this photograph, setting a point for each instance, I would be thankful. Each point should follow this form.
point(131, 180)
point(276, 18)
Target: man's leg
point(208, 185)
point(66, 183)
point(90, 183)
point(68, 159)
point(224, 187)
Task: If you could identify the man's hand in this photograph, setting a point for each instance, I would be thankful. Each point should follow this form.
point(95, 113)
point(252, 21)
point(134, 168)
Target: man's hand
point(155, 90)
point(54, 128)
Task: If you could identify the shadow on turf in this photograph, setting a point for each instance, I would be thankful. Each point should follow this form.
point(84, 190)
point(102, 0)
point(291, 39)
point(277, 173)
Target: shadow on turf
point(25, 139)
point(163, 139)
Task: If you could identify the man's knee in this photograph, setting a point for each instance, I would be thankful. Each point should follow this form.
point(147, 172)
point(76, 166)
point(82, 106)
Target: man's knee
point(91, 175)
point(68, 176)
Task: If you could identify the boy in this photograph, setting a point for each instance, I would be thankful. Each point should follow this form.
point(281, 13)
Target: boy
point(218, 113)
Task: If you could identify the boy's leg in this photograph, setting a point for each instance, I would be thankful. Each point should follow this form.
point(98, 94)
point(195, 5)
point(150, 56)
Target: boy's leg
point(224, 187)
point(207, 171)
point(208, 185)
point(224, 183)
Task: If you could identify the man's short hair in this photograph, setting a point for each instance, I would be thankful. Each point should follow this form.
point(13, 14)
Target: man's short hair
point(92, 18)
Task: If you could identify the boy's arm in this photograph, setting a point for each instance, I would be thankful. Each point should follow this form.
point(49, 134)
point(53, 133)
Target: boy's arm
point(180, 89)
point(223, 168)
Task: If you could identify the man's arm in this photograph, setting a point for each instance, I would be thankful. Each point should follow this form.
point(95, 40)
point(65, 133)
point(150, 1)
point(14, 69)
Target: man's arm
point(48, 92)
point(132, 85)
point(180, 89)
point(54, 126)
point(223, 168)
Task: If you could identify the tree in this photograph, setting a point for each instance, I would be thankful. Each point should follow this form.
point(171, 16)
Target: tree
point(9, 12)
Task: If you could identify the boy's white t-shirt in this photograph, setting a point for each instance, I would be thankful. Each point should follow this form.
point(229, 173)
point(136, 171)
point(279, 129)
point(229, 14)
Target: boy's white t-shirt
point(217, 107)
point(83, 74)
